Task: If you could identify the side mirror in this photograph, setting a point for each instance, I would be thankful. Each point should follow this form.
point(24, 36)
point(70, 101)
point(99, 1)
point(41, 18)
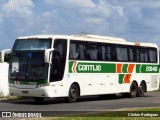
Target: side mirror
point(4, 56)
point(47, 55)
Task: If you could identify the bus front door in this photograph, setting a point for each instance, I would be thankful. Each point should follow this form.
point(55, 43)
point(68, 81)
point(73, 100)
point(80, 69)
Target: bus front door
point(55, 71)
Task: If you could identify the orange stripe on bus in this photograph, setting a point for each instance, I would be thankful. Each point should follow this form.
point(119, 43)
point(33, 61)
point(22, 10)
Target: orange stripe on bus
point(130, 68)
point(127, 78)
point(74, 67)
point(119, 68)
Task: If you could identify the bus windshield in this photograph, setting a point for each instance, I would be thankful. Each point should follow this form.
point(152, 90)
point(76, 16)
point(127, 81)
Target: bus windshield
point(28, 66)
point(32, 44)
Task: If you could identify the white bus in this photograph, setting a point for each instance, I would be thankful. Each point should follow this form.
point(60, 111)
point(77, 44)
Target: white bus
point(44, 66)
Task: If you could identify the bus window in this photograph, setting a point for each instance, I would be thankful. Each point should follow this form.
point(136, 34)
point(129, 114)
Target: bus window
point(131, 57)
point(93, 51)
point(77, 50)
point(101, 53)
point(153, 56)
point(107, 53)
point(86, 51)
point(81, 51)
point(73, 51)
point(143, 55)
point(113, 53)
point(136, 55)
point(122, 54)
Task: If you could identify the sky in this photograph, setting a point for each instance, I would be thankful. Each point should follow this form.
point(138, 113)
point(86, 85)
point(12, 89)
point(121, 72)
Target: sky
point(133, 20)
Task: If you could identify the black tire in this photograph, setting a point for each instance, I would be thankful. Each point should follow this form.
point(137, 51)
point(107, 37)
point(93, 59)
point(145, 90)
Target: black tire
point(73, 94)
point(38, 99)
point(133, 91)
point(141, 90)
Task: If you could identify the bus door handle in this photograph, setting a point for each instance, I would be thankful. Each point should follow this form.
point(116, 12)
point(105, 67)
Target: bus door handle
point(101, 84)
point(90, 84)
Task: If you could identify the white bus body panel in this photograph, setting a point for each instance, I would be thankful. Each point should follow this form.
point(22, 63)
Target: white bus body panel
point(4, 90)
point(57, 89)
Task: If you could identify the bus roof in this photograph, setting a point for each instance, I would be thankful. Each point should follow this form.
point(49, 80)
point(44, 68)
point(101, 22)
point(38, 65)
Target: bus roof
point(80, 36)
point(100, 37)
point(90, 37)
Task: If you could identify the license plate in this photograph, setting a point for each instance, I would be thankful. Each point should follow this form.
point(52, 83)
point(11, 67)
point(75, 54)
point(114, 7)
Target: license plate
point(24, 92)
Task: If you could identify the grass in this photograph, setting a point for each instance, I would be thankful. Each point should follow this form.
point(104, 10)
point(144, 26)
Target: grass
point(9, 97)
point(110, 115)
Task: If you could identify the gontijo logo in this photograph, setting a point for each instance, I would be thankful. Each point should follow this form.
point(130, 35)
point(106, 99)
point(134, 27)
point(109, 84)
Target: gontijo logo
point(85, 67)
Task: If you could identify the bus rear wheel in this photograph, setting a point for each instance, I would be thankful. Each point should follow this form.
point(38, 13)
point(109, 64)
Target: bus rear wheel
point(141, 90)
point(73, 94)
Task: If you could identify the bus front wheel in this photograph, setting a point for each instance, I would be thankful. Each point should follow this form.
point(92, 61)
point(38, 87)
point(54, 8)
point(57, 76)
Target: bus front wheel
point(133, 91)
point(73, 94)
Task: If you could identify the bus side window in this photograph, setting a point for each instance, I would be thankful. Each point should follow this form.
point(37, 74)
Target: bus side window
point(87, 51)
point(107, 53)
point(122, 53)
point(143, 55)
point(93, 51)
point(103, 52)
point(73, 51)
point(81, 51)
point(113, 53)
point(77, 50)
point(153, 55)
point(131, 57)
point(136, 55)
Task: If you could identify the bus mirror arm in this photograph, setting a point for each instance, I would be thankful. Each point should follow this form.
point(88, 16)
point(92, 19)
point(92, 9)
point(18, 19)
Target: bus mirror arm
point(2, 55)
point(47, 55)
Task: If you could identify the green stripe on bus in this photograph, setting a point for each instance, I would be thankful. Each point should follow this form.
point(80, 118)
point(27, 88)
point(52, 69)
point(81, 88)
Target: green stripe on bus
point(125, 68)
point(121, 77)
point(70, 66)
point(138, 68)
point(86, 67)
point(147, 68)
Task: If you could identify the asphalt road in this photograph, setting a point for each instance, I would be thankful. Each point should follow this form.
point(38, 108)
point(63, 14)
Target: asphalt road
point(85, 104)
